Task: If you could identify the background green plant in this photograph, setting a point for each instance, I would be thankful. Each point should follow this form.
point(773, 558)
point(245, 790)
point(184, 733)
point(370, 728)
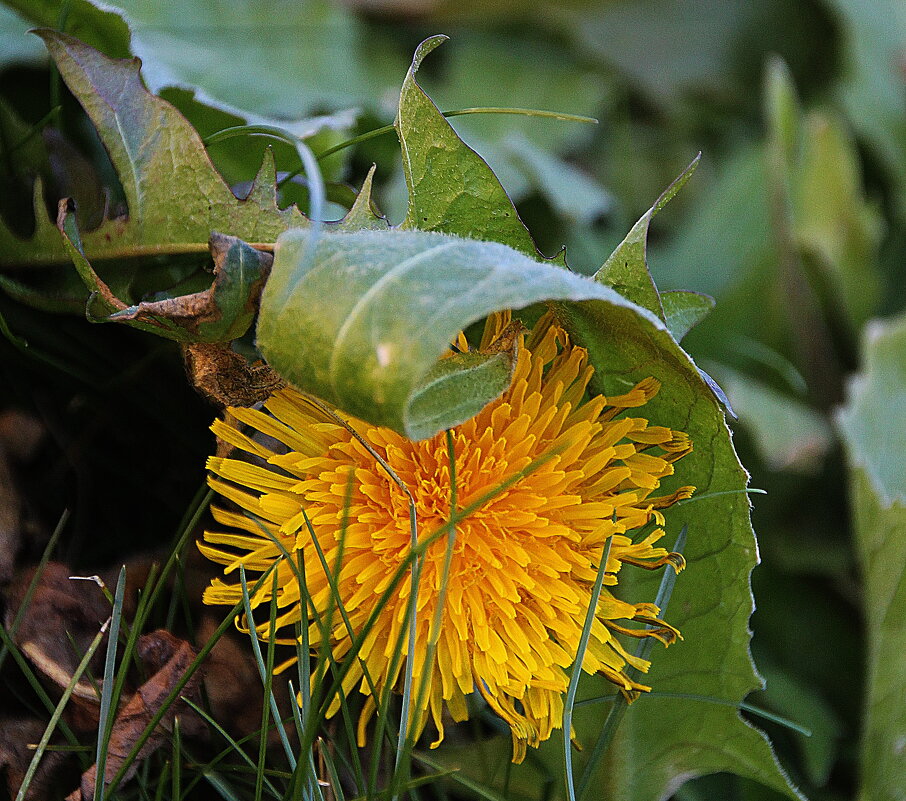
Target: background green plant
point(795, 222)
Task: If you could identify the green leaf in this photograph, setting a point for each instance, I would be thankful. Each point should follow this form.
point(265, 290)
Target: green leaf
point(95, 27)
point(572, 193)
point(800, 700)
point(15, 46)
point(175, 196)
point(837, 228)
point(268, 57)
point(743, 241)
point(825, 226)
point(398, 298)
point(451, 189)
point(664, 741)
point(873, 424)
point(458, 388)
point(558, 80)
point(626, 270)
point(524, 151)
point(684, 310)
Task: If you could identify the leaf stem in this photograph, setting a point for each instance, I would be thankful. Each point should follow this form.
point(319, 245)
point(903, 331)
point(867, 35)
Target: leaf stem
point(277, 133)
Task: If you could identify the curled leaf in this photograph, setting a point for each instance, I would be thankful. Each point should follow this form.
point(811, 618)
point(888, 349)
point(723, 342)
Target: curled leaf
point(218, 314)
point(397, 300)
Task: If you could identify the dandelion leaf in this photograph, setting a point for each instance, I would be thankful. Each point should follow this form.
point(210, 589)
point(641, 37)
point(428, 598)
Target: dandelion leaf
point(175, 196)
point(873, 425)
point(397, 300)
point(451, 188)
point(627, 268)
point(662, 742)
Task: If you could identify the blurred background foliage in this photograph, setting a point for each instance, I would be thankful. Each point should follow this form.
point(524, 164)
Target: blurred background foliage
point(795, 222)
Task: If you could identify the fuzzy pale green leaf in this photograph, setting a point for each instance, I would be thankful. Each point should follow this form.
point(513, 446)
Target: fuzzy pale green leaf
point(397, 300)
point(873, 424)
point(268, 57)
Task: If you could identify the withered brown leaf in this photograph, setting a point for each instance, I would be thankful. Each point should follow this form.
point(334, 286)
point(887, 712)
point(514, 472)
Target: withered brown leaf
point(170, 657)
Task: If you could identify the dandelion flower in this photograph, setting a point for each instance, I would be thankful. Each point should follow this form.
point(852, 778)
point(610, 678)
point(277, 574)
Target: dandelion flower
point(549, 473)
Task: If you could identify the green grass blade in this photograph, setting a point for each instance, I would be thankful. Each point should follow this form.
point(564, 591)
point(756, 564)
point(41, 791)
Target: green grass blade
point(407, 743)
point(162, 782)
point(222, 788)
point(336, 786)
point(235, 746)
point(476, 787)
point(176, 774)
point(58, 711)
point(107, 712)
point(34, 682)
point(181, 683)
point(668, 581)
point(265, 671)
point(742, 706)
point(576, 672)
point(412, 615)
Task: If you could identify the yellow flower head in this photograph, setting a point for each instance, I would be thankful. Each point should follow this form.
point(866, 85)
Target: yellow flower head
point(544, 477)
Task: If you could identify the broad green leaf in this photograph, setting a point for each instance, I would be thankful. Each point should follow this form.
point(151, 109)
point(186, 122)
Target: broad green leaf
point(662, 742)
point(836, 227)
point(451, 189)
point(826, 229)
point(782, 109)
point(15, 46)
point(573, 194)
point(684, 310)
point(84, 20)
point(626, 270)
point(797, 699)
point(524, 152)
point(398, 298)
point(665, 739)
point(664, 50)
point(873, 424)
point(174, 195)
point(266, 57)
point(558, 81)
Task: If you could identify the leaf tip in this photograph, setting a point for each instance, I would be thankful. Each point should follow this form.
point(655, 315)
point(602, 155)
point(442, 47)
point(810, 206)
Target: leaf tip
point(430, 44)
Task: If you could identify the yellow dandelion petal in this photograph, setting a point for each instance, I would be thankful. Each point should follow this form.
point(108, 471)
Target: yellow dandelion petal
point(546, 476)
